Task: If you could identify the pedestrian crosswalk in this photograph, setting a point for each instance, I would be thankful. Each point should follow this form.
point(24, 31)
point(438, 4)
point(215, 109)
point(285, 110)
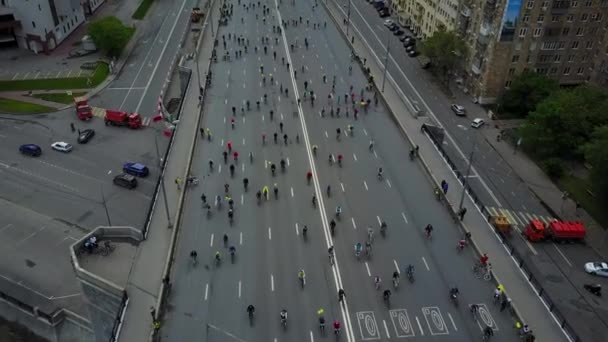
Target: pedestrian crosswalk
point(518, 218)
point(101, 113)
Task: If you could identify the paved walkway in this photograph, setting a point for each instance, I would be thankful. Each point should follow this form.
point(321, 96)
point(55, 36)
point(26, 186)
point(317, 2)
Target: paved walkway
point(527, 303)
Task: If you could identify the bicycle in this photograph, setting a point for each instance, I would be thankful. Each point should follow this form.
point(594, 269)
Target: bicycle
point(107, 248)
point(482, 271)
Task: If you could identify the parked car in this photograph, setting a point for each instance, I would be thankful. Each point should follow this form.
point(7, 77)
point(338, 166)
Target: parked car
point(412, 53)
point(136, 169)
point(384, 13)
point(458, 109)
point(85, 135)
point(389, 23)
point(409, 42)
point(410, 48)
point(31, 150)
point(62, 146)
point(405, 37)
point(597, 268)
point(477, 122)
point(398, 32)
point(125, 180)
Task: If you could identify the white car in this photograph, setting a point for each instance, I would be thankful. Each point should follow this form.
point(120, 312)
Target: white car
point(477, 122)
point(597, 268)
point(389, 23)
point(61, 146)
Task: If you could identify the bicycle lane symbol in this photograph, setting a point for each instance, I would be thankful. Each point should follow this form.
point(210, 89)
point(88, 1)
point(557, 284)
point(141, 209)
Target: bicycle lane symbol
point(368, 328)
point(484, 313)
point(438, 326)
point(401, 323)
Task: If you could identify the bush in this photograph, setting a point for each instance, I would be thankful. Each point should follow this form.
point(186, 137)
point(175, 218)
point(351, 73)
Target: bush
point(110, 35)
point(554, 167)
point(143, 8)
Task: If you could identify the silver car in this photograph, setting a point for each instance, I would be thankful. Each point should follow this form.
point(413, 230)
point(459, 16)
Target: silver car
point(597, 268)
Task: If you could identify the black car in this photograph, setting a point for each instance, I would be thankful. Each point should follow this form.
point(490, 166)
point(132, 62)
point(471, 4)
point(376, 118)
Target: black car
point(412, 53)
point(126, 181)
point(398, 32)
point(409, 42)
point(410, 48)
point(404, 37)
point(384, 14)
point(85, 135)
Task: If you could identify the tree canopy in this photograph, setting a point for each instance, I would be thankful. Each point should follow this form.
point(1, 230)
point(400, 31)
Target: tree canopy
point(110, 35)
point(445, 49)
point(596, 153)
point(526, 91)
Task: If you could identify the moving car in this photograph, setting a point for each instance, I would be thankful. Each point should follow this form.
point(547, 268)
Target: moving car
point(126, 181)
point(61, 146)
point(477, 122)
point(85, 135)
point(31, 150)
point(136, 169)
point(597, 268)
point(458, 109)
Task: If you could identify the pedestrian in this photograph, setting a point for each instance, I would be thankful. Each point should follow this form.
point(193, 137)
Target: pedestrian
point(153, 313)
point(203, 198)
point(505, 303)
point(202, 130)
point(444, 186)
point(461, 213)
point(72, 126)
point(178, 182)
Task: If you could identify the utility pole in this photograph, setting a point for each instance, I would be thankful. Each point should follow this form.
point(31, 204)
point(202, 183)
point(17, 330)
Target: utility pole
point(466, 177)
point(162, 181)
point(388, 49)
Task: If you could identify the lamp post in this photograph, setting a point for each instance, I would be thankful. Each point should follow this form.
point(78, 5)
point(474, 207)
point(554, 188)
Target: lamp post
point(466, 177)
point(388, 49)
point(162, 181)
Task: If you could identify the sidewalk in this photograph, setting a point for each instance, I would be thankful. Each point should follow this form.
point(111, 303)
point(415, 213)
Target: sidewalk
point(525, 300)
point(153, 258)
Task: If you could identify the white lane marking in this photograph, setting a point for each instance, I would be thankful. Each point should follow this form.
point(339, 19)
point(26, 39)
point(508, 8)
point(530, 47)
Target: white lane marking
point(425, 264)
point(389, 183)
point(242, 199)
point(291, 191)
point(452, 320)
point(312, 339)
point(243, 168)
point(369, 274)
point(396, 266)
point(206, 291)
point(287, 159)
point(404, 218)
point(419, 326)
point(354, 224)
point(562, 254)
point(342, 186)
point(355, 157)
point(327, 136)
point(6, 227)
point(365, 184)
point(365, 131)
point(375, 154)
point(271, 283)
point(219, 168)
point(211, 241)
point(378, 219)
point(269, 234)
point(297, 229)
point(243, 138)
point(241, 238)
point(386, 329)
point(239, 289)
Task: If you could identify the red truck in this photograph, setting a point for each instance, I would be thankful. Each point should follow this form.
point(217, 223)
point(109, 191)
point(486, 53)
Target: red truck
point(555, 230)
point(83, 110)
point(120, 118)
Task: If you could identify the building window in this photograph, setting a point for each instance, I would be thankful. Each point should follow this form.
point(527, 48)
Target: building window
point(542, 71)
point(541, 18)
point(596, 16)
point(545, 4)
point(574, 4)
point(507, 84)
point(570, 18)
point(589, 45)
point(575, 44)
point(588, 3)
point(538, 31)
point(567, 71)
point(579, 31)
point(33, 24)
point(584, 17)
point(511, 71)
point(555, 18)
point(525, 19)
point(553, 71)
point(580, 71)
point(565, 31)
point(557, 58)
point(593, 30)
point(523, 31)
point(63, 29)
point(530, 4)
point(570, 58)
point(515, 59)
point(561, 45)
point(585, 58)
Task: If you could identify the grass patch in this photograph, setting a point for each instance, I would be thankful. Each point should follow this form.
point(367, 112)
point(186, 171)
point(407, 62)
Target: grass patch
point(58, 97)
point(577, 188)
point(101, 73)
point(18, 107)
point(143, 8)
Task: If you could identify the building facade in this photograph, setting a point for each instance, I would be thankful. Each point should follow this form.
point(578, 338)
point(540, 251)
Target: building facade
point(41, 25)
point(563, 39)
point(424, 17)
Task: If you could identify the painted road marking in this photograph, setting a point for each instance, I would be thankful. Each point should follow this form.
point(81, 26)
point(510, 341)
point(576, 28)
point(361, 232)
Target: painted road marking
point(484, 313)
point(419, 326)
point(388, 335)
point(436, 323)
point(368, 327)
point(401, 323)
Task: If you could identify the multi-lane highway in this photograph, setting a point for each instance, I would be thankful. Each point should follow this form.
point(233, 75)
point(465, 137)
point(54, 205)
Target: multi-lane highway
point(209, 299)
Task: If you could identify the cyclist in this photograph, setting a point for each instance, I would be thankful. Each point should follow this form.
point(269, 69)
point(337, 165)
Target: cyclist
point(377, 282)
point(488, 333)
point(330, 251)
point(332, 226)
point(308, 176)
point(483, 260)
point(383, 227)
point(454, 292)
point(410, 271)
point(273, 168)
point(474, 308)
point(371, 145)
point(380, 173)
point(461, 244)
point(314, 200)
point(193, 255)
point(328, 190)
point(218, 257)
point(235, 155)
point(322, 324)
point(225, 239)
point(276, 190)
point(341, 295)
point(265, 192)
point(283, 315)
point(304, 231)
point(230, 215)
point(396, 276)
point(428, 229)
point(258, 195)
point(370, 234)
point(339, 159)
point(338, 211)
point(225, 153)
point(282, 164)
point(245, 182)
point(358, 248)
point(338, 131)
point(250, 310)
point(336, 327)
point(302, 276)
point(210, 164)
point(351, 130)
point(331, 159)
point(387, 295)
point(232, 168)
point(314, 149)
point(232, 251)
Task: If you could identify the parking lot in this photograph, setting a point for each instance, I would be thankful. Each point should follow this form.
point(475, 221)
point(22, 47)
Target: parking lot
point(7, 74)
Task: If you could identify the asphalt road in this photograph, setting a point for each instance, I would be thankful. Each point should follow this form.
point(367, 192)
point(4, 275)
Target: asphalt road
point(558, 267)
point(209, 300)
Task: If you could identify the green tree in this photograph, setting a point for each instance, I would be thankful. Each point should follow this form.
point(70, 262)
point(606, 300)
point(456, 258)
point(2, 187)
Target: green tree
point(526, 91)
point(563, 122)
point(110, 35)
point(596, 154)
point(445, 49)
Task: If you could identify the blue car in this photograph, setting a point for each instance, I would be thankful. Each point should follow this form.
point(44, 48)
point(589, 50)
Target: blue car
point(32, 150)
point(136, 169)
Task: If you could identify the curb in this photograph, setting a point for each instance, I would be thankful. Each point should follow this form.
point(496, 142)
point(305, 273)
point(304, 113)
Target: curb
point(434, 181)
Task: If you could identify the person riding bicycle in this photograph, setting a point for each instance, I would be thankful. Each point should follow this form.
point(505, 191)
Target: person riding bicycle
point(341, 295)
point(282, 164)
point(428, 229)
point(304, 231)
point(314, 149)
point(462, 243)
point(358, 248)
point(330, 251)
point(232, 250)
point(245, 182)
point(301, 275)
point(386, 294)
point(336, 326)
point(314, 200)
point(488, 332)
point(193, 255)
point(250, 309)
point(340, 159)
point(396, 275)
point(308, 176)
point(283, 315)
point(273, 168)
point(454, 292)
point(218, 257)
point(380, 171)
point(483, 260)
point(383, 226)
point(332, 225)
point(338, 211)
point(410, 270)
point(322, 323)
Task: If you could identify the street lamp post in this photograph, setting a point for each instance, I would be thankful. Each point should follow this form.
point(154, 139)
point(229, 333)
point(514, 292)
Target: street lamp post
point(162, 182)
point(466, 177)
point(388, 49)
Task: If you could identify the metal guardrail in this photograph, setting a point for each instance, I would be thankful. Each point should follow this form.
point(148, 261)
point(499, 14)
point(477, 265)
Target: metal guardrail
point(119, 318)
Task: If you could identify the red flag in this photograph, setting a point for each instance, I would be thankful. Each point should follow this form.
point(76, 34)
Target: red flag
point(159, 116)
point(168, 133)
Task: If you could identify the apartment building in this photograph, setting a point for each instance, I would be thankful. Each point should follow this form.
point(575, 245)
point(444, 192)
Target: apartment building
point(563, 39)
point(424, 17)
point(41, 25)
